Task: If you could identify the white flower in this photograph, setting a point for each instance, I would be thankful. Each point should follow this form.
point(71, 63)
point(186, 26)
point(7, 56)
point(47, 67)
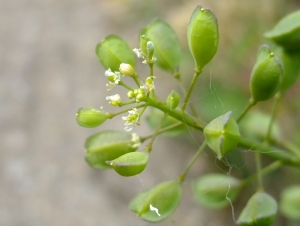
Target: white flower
point(138, 52)
point(115, 100)
point(131, 120)
point(149, 84)
point(113, 77)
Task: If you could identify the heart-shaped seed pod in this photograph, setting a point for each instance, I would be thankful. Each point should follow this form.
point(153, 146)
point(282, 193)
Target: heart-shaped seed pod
point(260, 210)
point(222, 134)
point(91, 117)
point(130, 164)
point(113, 51)
point(157, 203)
point(287, 32)
point(173, 100)
point(213, 190)
point(108, 145)
point(203, 36)
point(266, 76)
point(290, 202)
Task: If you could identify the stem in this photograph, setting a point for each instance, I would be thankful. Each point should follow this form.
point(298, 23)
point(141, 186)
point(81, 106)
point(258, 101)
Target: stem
point(126, 103)
point(135, 78)
point(142, 139)
point(288, 146)
point(250, 104)
point(268, 169)
point(194, 80)
point(121, 83)
point(111, 115)
point(274, 113)
point(149, 146)
point(197, 154)
point(258, 171)
point(152, 77)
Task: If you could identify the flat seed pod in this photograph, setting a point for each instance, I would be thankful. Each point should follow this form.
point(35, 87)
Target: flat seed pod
point(108, 145)
point(157, 203)
point(222, 134)
point(212, 190)
point(266, 76)
point(130, 164)
point(113, 51)
point(260, 210)
point(203, 36)
point(90, 117)
point(173, 100)
point(166, 45)
point(287, 32)
point(290, 202)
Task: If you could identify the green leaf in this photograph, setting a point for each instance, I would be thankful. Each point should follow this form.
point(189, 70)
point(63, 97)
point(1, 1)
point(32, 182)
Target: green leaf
point(290, 202)
point(154, 118)
point(212, 190)
point(287, 32)
point(157, 203)
point(166, 45)
point(203, 36)
point(108, 145)
point(113, 51)
point(260, 210)
point(222, 134)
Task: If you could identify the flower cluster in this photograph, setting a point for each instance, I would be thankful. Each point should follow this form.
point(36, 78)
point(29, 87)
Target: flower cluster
point(147, 55)
point(113, 77)
point(132, 119)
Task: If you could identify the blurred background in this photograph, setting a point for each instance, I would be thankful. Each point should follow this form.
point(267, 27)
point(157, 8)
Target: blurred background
point(48, 69)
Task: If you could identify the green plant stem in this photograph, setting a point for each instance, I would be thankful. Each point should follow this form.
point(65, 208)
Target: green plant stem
point(258, 171)
point(250, 105)
point(111, 115)
point(143, 110)
point(149, 146)
point(187, 97)
point(121, 83)
point(135, 78)
point(152, 77)
point(268, 169)
point(126, 103)
point(273, 116)
point(287, 145)
point(197, 154)
point(163, 130)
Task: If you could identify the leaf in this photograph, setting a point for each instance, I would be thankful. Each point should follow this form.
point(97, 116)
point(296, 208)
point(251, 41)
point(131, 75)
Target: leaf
point(157, 203)
point(290, 202)
point(108, 145)
point(166, 45)
point(113, 51)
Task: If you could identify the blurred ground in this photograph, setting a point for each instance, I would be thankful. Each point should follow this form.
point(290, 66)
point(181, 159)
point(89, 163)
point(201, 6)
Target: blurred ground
point(48, 69)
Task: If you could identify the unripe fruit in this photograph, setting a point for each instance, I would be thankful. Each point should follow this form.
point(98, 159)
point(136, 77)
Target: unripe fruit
point(130, 164)
point(222, 134)
point(203, 36)
point(290, 202)
point(260, 210)
point(266, 76)
point(90, 117)
point(173, 100)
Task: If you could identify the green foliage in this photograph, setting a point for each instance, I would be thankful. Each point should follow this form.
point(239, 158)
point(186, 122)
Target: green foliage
point(275, 71)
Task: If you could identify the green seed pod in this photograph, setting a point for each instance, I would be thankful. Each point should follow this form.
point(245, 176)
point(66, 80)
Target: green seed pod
point(260, 210)
point(157, 203)
point(203, 36)
point(173, 100)
point(166, 45)
point(290, 202)
point(222, 134)
point(90, 117)
point(213, 190)
point(266, 76)
point(113, 51)
point(130, 164)
point(109, 145)
point(287, 32)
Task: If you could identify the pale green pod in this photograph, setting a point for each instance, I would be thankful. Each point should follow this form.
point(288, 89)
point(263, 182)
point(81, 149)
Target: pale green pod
point(290, 202)
point(173, 100)
point(222, 134)
point(91, 117)
point(260, 210)
point(130, 164)
point(203, 36)
point(157, 203)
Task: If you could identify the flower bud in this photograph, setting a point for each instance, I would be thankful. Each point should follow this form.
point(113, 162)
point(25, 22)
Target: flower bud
point(157, 203)
point(130, 94)
point(266, 76)
point(130, 164)
point(222, 134)
point(290, 202)
point(90, 117)
point(260, 210)
point(212, 190)
point(127, 69)
point(173, 100)
point(203, 36)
